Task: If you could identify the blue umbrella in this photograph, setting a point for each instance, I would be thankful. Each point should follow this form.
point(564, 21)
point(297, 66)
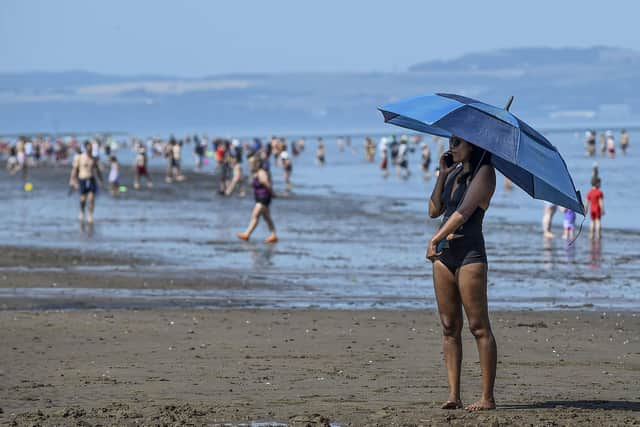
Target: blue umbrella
point(518, 151)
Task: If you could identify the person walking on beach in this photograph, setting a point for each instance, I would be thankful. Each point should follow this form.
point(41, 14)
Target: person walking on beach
point(595, 205)
point(624, 141)
point(462, 194)
point(84, 170)
point(263, 192)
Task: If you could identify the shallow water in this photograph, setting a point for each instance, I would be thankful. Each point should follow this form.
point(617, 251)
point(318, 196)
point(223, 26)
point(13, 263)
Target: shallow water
point(349, 238)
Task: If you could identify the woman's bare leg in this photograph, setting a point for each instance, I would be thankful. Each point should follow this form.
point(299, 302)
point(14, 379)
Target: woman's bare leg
point(255, 218)
point(472, 282)
point(267, 217)
point(450, 310)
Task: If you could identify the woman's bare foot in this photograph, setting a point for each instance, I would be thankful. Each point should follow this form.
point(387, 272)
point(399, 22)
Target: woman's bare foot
point(452, 404)
point(482, 405)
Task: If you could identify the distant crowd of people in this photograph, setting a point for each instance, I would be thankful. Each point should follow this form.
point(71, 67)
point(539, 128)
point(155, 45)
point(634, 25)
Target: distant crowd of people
point(228, 157)
point(606, 144)
point(594, 204)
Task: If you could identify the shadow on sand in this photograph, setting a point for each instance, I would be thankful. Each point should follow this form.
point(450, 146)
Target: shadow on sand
point(608, 405)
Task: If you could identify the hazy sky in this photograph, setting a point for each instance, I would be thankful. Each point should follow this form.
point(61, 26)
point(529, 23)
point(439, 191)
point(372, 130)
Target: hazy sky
point(195, 38)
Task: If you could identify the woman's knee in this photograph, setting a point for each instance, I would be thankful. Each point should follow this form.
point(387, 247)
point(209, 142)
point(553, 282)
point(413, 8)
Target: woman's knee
point(451, 327)
point(480, 328)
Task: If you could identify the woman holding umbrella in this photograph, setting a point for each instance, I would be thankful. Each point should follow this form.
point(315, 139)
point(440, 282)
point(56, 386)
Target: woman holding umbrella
point(482, 137)
point(463, 193)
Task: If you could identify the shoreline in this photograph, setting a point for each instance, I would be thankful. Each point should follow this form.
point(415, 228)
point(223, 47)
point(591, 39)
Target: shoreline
point(372, 367)
point(45, 278)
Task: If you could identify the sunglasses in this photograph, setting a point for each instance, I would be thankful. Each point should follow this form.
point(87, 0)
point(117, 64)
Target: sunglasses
point(454, 142)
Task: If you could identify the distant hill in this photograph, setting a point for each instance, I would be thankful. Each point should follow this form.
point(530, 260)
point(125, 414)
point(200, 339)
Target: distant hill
point(535, 57)
point(553, 88)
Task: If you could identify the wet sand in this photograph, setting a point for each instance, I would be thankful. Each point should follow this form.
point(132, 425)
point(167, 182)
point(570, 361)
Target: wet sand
point(206, 367)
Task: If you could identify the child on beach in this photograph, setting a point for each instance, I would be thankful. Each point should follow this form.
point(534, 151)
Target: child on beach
point(569, 223)
point(114, 177)
point(141, 169)
point(595, 205)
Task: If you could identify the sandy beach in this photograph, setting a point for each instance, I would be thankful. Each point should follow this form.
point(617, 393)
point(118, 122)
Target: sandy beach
point(308, 367)
point(148, 318)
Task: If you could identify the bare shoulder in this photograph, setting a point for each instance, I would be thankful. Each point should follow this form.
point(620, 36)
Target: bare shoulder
point(487, 174)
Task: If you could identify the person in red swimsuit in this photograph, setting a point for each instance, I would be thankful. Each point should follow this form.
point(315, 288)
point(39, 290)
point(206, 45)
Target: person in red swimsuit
point(595, 205)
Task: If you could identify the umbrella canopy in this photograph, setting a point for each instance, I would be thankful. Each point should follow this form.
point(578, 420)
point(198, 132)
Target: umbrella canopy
point(518, 151)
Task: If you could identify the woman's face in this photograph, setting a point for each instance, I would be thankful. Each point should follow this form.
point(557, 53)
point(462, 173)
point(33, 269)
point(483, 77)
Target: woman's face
point(460, 149)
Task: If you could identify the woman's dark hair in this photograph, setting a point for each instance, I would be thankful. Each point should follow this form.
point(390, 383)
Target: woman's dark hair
point(479, 157)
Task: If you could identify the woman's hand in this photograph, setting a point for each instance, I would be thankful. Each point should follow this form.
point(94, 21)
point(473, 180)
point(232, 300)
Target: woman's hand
point(432, 251)
point(444, 169)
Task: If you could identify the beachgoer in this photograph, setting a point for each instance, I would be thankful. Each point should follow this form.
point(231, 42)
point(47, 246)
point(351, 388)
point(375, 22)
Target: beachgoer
point(624, 141)
point(590, 142)
point(84, 171)
point(595, 205)
point(114, 176)
point(426, 161)
point(547, 218)
point(235, 162)
point(463, 194)
point(320, 154)
point(603, 143)
point(198, 153)
point(393, 151)
point(384, 156)
point(287, 166)
point(225, 167)
point(263, 192)
point(141, 168)
point(403, 158)
point(22, 158)
point(611, 144)
point(177, 155)
point(12, 162)
point(569, 223)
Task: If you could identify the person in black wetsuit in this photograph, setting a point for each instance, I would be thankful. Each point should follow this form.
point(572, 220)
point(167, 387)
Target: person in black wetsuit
point(462, 194)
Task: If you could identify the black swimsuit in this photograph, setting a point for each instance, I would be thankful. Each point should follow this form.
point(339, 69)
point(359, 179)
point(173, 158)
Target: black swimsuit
point(469, 248)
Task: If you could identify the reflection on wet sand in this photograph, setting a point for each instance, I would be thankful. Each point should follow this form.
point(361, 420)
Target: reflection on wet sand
point(595, 254)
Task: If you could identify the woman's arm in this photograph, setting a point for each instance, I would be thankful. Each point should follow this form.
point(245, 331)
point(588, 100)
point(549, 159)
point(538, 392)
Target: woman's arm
point(435, 201)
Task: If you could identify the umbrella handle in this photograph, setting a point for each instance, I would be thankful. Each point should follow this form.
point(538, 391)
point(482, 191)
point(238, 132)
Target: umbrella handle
point(506, 107)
